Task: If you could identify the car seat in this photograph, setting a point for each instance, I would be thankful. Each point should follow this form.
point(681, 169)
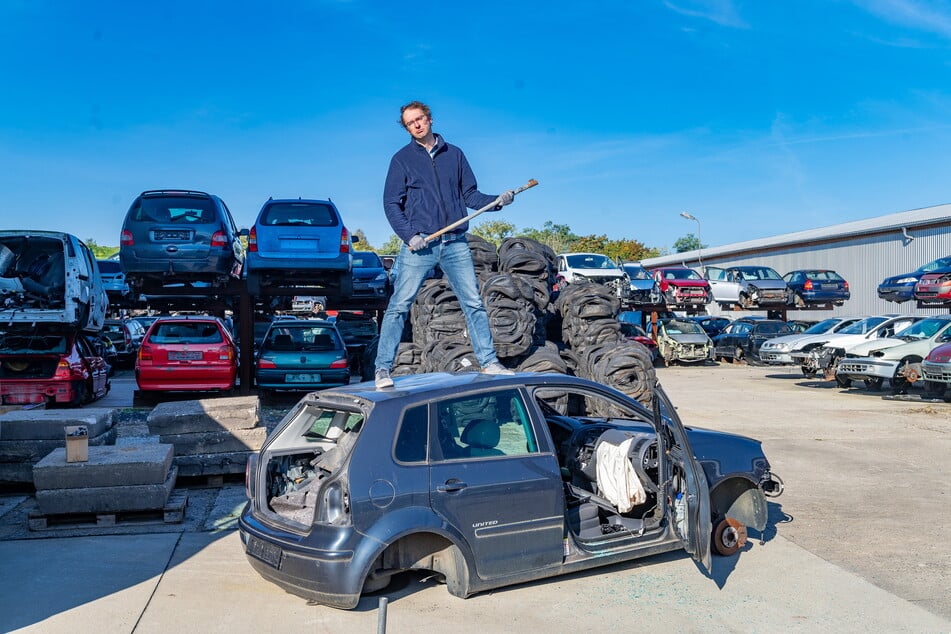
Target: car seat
point(323, 341)
point(482, 438)
point(282, 342)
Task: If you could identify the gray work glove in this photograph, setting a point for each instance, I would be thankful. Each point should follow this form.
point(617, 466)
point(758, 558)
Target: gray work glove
point(417, 243)
point(506, 197)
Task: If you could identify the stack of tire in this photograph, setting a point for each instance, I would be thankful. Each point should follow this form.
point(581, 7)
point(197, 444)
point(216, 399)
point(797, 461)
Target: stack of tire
point(575, 332)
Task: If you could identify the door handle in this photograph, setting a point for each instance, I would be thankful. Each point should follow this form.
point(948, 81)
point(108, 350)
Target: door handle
point(452, 486)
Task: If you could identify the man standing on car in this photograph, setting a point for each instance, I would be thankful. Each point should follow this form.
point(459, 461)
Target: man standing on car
point(428, 186)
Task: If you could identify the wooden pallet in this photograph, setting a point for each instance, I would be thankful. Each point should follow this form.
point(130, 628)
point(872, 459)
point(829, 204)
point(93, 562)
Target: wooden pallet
point(172, 513)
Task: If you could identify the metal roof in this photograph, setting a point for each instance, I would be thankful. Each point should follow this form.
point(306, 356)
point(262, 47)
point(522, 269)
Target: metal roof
point(904, 222)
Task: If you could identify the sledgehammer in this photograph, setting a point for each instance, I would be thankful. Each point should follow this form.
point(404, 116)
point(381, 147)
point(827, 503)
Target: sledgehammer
point(492, 205)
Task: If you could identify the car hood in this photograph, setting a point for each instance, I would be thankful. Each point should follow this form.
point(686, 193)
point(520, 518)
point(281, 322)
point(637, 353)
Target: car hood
point(732, 453)
point(890, 281)
point(863, 349)
point(367, 273)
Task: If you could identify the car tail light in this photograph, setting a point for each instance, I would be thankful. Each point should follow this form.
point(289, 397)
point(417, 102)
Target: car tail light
point(63, 370)
point(250, 468)
point(845, 285)
point(253, 240)
point(126, 239)
point(145, 352)
point(339, 363)
point(344, 241)
point(266, 364)
point(219, 239)
point(225, 353)
point(808, 285)
point(127, 338)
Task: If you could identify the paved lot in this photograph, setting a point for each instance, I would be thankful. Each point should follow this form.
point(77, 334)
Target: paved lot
point(859, 542)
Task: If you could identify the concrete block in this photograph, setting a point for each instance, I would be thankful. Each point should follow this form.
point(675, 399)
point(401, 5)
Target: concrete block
point(27, 450)
point(16, 472)
point(205, 415)
point(113, 499)
point(145, 463)
point(48, 424)
point(216, 441)
point(212, 464)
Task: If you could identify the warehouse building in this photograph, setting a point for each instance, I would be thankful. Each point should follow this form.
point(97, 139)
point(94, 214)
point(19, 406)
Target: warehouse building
point(864, 252)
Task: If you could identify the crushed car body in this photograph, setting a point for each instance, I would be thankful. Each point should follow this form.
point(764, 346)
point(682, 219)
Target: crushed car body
point(356, 485)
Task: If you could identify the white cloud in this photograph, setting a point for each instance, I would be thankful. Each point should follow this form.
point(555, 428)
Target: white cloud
point(721, 12)
point(933, 17)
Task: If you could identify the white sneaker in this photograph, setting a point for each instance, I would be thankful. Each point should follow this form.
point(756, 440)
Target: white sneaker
point(382, 379)
point(496, 368)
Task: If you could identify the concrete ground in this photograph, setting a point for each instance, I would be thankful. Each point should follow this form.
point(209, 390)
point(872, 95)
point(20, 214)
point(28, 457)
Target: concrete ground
point(859, 542)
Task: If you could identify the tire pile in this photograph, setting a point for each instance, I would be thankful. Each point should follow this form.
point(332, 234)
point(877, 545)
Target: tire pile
point(575, 332)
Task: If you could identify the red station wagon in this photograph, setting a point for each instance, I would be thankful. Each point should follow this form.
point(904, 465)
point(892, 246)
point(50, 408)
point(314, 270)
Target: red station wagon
point(187, 353)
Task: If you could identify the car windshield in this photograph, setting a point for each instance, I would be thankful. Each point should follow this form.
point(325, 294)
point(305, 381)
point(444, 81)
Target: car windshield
point(185, 332)
point(923, 329)
point(637, 272)
point(681, 274)
point(823, 326)
point(18, 344)
point(863, 326)
point(590, 261)
point(758, 273)
point(177, 210)
point(940, 263)
point(677, 327)
point(294, 213)
point(366, 261)
point(772, 328)
point(303, 337)
point(328, 424)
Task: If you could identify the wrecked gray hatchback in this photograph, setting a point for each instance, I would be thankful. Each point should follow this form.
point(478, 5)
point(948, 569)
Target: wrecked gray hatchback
point(489, 481)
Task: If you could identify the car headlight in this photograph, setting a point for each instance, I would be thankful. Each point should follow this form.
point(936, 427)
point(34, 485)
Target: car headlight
point(907, 280)
point(380, 277)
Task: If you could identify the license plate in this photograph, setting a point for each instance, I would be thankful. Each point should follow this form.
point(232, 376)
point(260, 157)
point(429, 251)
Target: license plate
point(172, 235)
point(293, 244)
point(184, 355)
point(302, 378)
point(266, 552)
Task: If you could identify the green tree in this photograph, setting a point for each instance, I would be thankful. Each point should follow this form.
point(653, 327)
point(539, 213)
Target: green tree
point(362, 244)
point(688, 242)
point(391, 246)
point(558, 237)
point(494, 231)
point(99, 251)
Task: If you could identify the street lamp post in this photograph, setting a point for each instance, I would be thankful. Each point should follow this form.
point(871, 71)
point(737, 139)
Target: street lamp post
point(684, 214)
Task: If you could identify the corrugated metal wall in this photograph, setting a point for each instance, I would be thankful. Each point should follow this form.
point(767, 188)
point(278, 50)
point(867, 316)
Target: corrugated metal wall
point(863, 261)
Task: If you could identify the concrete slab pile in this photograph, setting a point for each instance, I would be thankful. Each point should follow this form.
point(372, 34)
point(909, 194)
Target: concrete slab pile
point(114, 480)
point(27, 436)
point(212, 437)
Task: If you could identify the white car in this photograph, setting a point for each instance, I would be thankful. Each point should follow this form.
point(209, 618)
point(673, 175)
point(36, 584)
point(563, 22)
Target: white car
point(592, 267)
point(822, 354)
point(777, 351)
point(747, 286)
point(49, 282)
point(897, 359)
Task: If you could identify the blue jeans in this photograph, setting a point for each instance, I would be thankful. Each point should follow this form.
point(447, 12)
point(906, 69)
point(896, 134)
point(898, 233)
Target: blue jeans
point(454, 258)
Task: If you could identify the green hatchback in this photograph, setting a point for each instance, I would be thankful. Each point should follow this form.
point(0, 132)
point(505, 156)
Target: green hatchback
point(299, 355)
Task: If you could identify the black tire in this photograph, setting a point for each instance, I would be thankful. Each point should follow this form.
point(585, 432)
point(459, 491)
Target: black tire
point(807, 372)
point(874, 385)
point(738, 355)
point(841, 381)
point(935, 389)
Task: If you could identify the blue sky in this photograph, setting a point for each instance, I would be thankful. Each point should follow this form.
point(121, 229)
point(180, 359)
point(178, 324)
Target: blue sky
point(759, 117)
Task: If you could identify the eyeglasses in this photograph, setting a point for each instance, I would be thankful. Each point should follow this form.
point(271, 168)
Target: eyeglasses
point(419, 119)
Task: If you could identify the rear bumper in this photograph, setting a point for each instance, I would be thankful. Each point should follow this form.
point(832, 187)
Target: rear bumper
point(30, 391)
point(258, 263)
point(184, 378)
point(824, 297)
point(276, 380)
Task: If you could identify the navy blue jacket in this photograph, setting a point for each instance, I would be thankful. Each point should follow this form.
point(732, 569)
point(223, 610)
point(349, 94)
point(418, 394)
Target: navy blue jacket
point(423, 194)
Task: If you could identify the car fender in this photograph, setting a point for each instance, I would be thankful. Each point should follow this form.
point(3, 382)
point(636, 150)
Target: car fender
point(740, 498)
point(397, 525)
